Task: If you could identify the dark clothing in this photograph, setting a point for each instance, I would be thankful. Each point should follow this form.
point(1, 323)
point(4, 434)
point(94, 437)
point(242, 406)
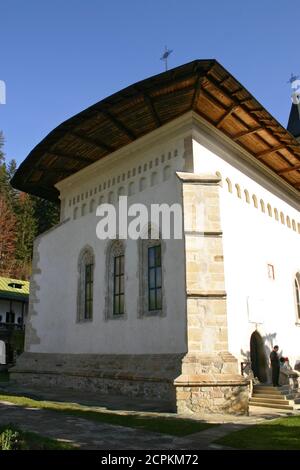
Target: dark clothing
point(275, 364)
point(275, 376)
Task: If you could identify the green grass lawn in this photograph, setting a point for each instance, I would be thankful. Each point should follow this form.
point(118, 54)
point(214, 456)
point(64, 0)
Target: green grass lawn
point(165, 425)
point(279, 434)
point(23, 440)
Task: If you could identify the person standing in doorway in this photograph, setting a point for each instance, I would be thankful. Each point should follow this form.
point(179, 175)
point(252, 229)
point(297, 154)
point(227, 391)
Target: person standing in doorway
point(275, 365)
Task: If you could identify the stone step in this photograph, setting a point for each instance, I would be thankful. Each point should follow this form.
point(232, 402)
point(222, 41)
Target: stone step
point(270, 388)
point(268, 396)
point(282, 401)
point(269, 391)
point(268, 405)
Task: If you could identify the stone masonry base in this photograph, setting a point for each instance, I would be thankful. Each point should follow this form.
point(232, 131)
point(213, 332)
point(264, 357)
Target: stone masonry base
point(174, 378)
point(212, 398)
point(148, 376)
point(209, 383)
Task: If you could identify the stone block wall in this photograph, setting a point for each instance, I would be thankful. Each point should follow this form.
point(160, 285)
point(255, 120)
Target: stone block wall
point(149, 376)
point(210, 380)
point(211, 398)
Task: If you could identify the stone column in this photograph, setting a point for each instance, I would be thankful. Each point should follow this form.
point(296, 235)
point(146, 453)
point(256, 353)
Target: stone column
point(210, 380)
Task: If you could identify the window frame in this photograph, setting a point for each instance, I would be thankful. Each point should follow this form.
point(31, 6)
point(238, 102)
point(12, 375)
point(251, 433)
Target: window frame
point(118, 283)
point(88, 292)
point(144, 245)
point(85, 290)
point(10, 318)
point(154, 268)
point(115, 250)
point(297, 296)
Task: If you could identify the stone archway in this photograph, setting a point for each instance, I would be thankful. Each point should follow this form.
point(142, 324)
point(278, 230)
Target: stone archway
point(259, 363)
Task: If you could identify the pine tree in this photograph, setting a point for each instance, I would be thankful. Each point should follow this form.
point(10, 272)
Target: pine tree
point(26, 227)
point(1, 146)
point(6, 173)
point(8, 237)
point(3, 172)
point(46, 214)
point(22, 218)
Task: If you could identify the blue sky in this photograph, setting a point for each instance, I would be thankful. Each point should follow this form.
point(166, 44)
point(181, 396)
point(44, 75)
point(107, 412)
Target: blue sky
point(60, 56)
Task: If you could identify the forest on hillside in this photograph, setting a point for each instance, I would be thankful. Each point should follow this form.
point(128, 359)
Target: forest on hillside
point(22, 218)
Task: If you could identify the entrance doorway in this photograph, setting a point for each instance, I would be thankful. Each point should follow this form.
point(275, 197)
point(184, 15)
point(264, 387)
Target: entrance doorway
point(259, 363)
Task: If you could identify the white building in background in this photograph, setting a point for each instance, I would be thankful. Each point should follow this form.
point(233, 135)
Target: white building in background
point(176, 318)
point(14, 295)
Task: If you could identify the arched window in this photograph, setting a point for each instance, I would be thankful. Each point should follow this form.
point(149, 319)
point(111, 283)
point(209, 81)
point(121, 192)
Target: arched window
point(254, 198)
point(143, 184)
point(247, 197)
point(83, 209)
point(262, 206)
point(276, 214)
point(167, 172)
point(92, 205)
point(121, 191)
point(229, 185)
point(297, 294)
point(75, 213)
point(154, 178)
point(282, 218)
point(86, 266)
point(288, 221)
point(151, 279)
point(115, 281)
point(111, 197)
point(131, 188)
point(238, 191)
point(269, 210)
point(294, 225)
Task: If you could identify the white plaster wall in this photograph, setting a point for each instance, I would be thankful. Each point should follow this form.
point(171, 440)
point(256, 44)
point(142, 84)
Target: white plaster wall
point(252, 240)
point(58, 251)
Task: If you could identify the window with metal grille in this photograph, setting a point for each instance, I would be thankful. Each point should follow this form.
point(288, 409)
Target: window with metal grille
point(118, 306)
point(10, 317)
point(154, 278)
point(88, 292)
point(297, 289)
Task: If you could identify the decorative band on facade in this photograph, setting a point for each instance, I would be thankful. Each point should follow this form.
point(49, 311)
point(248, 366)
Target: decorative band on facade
point(206, 294)
point(206, 180)
point(208, 233)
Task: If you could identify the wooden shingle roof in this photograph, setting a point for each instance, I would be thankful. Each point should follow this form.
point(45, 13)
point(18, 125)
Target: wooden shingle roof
point(203, 86)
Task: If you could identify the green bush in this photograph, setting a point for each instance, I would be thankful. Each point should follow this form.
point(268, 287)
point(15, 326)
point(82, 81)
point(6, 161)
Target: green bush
point(9, 439)
point(12, 438)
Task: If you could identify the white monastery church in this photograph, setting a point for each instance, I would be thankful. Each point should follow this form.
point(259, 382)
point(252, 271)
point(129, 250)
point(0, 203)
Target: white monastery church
point(175, 319)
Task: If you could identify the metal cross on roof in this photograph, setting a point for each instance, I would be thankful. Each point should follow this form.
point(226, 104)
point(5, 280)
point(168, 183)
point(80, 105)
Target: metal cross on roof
point(295, 85)
point(293, 78)
point(165, 56)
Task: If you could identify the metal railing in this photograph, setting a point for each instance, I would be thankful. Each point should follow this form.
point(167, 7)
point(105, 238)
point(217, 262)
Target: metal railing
point(244, 366)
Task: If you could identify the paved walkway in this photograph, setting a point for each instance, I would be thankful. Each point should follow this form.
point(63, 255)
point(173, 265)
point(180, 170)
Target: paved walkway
point(86, 434)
